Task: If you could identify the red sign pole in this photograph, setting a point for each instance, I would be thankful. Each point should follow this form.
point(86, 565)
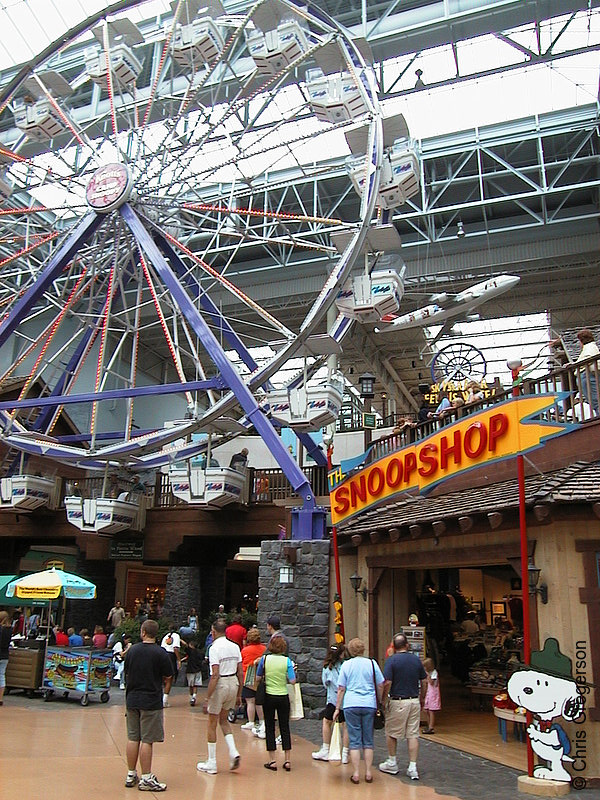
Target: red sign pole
point(524, 563)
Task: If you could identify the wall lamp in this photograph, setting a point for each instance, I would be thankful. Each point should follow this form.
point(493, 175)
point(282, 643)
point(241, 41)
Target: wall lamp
point(366, 384)
point(356, 581)
point(533, 576)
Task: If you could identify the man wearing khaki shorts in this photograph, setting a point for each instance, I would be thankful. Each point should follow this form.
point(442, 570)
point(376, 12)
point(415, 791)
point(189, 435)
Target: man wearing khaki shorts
point(146, 665)
point(224, 693)
point(403, 673)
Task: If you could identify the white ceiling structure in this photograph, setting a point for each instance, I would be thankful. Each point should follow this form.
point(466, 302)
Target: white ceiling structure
point(520, 173)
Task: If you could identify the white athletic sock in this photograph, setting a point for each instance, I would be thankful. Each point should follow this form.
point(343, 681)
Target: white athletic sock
point(412, 764)
point(212, 751)
point(131, 773)
point(146, 776)
point(233, 751)
point(325, 747)
point(392, 759)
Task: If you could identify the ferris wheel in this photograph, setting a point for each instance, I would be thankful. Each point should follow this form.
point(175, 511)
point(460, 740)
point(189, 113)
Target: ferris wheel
point(135, 190)
point(458, 361)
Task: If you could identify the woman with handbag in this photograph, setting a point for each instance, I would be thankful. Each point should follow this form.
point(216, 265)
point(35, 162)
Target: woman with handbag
point(251, 655)
point(360, 684)
point(277, 671)
point(329, 677)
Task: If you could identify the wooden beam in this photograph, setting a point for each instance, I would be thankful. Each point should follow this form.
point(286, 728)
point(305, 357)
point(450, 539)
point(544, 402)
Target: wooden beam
point(450, 557)
point(596, 509)
point(439, 527)
point(356, 539)
point(495, 519)
point(375, 537)
point(465, 523)
point(415, 531)
point(541, 512)
point(395, 534)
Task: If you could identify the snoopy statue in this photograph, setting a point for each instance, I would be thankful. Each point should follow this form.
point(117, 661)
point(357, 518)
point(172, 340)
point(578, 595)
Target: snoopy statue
point(546, 688)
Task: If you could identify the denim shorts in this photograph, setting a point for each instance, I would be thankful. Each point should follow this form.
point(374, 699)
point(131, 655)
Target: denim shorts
point(3, 665)
point(359, 722)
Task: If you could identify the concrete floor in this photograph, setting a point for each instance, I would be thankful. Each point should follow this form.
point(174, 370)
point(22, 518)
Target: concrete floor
point(59, 750)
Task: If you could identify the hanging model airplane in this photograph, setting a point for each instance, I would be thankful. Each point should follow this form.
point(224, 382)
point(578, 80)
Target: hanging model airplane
point(444, 306)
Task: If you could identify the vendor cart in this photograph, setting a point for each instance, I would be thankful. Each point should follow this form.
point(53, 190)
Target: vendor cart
point(77, 669)
point(66, 669)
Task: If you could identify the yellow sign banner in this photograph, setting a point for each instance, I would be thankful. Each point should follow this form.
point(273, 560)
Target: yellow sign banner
point(496, 433)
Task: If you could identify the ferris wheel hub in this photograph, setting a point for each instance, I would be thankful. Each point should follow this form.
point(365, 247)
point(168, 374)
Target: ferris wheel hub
point(109, 187)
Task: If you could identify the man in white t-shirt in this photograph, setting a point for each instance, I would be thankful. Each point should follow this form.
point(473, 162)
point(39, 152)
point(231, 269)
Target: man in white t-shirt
point(224, 693)
point(171, 642)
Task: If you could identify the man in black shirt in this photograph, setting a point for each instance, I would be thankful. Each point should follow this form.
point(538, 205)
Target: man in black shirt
point(146, 666)
point(403, 673)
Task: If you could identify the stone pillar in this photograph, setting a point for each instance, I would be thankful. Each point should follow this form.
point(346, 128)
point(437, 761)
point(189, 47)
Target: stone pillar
point(182, 592)
point(302, 606)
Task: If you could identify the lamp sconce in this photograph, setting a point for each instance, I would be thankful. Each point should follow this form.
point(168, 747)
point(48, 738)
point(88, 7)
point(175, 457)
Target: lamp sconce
point(286, 574)
point(366, 384)
point(533, 576)
point(356, 581)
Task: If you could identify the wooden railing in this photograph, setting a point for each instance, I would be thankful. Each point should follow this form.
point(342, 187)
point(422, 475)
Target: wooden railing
point(580, 382)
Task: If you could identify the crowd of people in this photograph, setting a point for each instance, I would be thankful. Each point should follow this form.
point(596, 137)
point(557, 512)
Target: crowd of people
point(242, 669)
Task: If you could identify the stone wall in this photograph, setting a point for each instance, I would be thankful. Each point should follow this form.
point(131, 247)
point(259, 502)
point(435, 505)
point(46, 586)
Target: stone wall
point(181, 593)
point(302, 606)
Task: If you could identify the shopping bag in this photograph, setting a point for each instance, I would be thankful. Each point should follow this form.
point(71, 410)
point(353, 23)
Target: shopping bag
point(296, 705)
point(250, 677)
point(335, 746)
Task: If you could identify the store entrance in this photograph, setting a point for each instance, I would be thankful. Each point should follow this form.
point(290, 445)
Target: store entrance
point(472, 621)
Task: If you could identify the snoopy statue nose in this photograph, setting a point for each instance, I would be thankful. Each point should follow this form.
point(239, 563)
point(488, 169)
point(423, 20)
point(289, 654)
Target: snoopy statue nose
point(528, 690)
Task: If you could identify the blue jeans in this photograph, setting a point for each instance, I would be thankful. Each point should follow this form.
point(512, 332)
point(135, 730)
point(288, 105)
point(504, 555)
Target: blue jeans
point(359, 722)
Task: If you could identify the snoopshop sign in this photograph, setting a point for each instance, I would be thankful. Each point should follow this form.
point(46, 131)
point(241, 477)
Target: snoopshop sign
point(494, 434)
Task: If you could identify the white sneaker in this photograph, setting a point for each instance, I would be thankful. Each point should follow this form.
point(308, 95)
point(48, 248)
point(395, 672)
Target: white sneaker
point(207, 766)
point(165, 701)
point(321, 755)
point(247, 726)
point(234, 762)
point(260, 731)
point(412, 773)
point(277, 740)
point(151, 784)
point(389, 766)
point(345, 755)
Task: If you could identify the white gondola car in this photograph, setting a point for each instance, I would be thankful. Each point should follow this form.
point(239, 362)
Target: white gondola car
point(39, 121)
point(214, 487)
point(273, 50)
point(399, 174)
point(368, 298)
point(26, 492)
point(102, 514)
point(200, 42)
point(307, 409)
point(125, 66)
point(334, 98)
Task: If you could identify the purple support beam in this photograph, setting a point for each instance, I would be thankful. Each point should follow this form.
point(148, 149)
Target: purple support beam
point(112, 394)
point(245, 398)
point(61, 257)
